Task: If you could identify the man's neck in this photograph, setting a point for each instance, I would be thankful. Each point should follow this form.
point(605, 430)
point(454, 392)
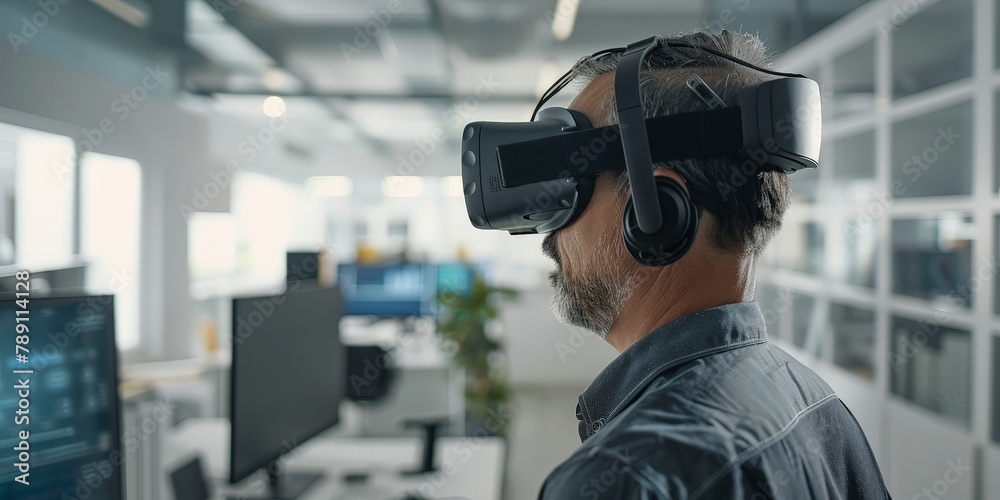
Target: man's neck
point(677, 290)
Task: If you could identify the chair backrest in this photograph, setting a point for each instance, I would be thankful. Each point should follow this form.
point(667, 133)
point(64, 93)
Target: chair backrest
point(369, 372)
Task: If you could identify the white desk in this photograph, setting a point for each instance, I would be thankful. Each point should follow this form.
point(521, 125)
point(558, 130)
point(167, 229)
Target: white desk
point(470, 467)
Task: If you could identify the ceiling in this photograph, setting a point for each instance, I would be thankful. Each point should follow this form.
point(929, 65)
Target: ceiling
point(395, 72)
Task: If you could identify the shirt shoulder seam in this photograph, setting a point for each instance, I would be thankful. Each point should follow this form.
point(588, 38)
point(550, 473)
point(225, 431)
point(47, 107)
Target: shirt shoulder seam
point(759, 447)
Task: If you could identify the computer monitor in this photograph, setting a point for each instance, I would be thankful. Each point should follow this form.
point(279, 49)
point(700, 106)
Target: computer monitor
point(64, 281)
point(455, 279)
point(302, 266)
point(65, 424)
point(388, 290)
point(287, 380)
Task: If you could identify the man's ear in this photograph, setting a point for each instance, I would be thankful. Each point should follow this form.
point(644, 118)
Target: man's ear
point(666, 172)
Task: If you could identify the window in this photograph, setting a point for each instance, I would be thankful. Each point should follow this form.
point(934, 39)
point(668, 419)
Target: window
point(933, 47)
point(853, 168)
point(799, 247)
point(211, 245)
point(853, 339)
point(262, 206)
point(929, 366)
point(43, 197)
point(932, 154)
point(932, 259)
point(853, 85)
point(110, 206)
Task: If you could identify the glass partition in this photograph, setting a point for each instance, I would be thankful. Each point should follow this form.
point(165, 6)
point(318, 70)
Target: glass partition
point(932, 154)
point(929, 366)
point(803, 307)
point(853, 169)
point(931, 47)
point(853, 339)
point(932, 259)
point(852, 89)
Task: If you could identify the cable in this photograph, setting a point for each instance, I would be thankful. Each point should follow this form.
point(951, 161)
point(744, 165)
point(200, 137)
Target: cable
point(677, 43)
point(565, 80)
point(567, 77)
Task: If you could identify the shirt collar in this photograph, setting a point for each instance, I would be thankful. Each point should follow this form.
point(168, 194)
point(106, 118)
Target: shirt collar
point(690, 337)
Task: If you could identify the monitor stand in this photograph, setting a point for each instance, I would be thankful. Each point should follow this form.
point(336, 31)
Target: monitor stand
point(290, 485)
point(430, 427)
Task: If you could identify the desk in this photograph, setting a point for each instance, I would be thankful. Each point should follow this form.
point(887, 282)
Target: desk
point(471, 467)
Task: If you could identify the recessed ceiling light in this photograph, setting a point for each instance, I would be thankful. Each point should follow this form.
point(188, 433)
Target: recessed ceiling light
point(403, 186)
point(274, 106)
point(330, 186)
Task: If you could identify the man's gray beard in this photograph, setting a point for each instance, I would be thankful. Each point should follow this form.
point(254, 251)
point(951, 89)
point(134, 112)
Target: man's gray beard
point(591, 303)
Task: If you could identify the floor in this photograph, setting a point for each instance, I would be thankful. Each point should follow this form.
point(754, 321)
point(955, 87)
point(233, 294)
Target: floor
point(542, 434)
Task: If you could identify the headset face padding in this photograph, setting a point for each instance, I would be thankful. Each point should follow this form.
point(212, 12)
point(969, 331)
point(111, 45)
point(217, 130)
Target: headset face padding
point(677, 233)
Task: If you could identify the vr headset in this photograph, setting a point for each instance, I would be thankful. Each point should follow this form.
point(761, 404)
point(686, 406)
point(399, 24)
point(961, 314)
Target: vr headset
point(538, 176)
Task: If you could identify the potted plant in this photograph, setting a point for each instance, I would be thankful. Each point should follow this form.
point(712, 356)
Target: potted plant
point(464, 325)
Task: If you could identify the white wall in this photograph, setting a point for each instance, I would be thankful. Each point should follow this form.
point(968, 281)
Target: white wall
point(544, 352)
point(65, 81)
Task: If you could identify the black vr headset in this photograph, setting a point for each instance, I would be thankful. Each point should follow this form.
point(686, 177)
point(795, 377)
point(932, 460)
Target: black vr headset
point(536, 177)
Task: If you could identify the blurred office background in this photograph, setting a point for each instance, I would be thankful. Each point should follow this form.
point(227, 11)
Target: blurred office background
point(178, 154)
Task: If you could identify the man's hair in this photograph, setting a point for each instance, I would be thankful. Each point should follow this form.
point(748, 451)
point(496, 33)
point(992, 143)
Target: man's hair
point(748, 208)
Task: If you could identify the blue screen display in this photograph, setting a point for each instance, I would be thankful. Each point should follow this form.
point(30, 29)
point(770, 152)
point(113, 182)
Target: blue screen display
point(71, 413)
point(400, 290)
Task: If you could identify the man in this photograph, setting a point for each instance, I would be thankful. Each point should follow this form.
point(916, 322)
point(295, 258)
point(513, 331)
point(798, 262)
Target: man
point(698, 404)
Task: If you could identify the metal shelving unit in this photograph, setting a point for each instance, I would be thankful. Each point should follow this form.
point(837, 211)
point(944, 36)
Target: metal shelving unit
point(883, 278)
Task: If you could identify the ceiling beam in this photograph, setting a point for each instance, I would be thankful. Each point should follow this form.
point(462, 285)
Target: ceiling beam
point(516, 98)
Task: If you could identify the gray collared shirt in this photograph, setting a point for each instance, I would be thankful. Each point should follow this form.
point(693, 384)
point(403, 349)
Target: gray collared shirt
point(704, 407)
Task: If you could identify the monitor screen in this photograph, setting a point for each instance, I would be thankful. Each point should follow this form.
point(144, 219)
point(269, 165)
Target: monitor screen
point(69, 408)
point(288, 374)
point(455, 279)
point(395, 290)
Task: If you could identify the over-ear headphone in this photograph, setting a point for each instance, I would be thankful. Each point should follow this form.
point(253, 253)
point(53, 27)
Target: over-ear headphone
point(677, 231)
point(660, 222)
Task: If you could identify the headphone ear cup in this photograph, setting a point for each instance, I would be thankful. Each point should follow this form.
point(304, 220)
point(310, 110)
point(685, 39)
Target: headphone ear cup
point(676, 234)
